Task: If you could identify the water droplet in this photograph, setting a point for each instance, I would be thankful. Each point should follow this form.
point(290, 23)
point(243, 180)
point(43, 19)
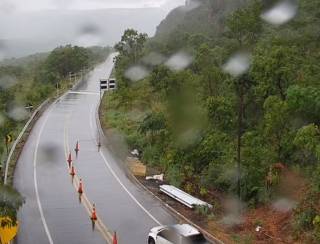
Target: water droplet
point(7, 81)
point(153, 59)
point(234, 209)
point(179, 61)
point(49, 153)
point(238, 64)
point(18, 113)
point(136, 73)
point(88, 36)
point(283, 205)
point(281, 13)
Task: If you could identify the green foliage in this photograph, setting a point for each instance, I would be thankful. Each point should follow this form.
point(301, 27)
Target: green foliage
point(308, 139)
point(62, 61)
point(274, 67)
point(305, 101)
point(159, 79)
point(307, 215)
point(10, 202)
point(245, 23)
point(203, 211)
point(221, 112)
point(131, 43)
point(191, 121)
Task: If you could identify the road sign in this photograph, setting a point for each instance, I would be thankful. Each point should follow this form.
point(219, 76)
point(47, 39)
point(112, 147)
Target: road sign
point(103, 84)
point(8, 138)
point(107, 84)
point(8, 232)
point(112, 84)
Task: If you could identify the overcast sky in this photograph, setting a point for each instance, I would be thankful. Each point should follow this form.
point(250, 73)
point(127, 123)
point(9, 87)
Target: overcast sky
point(8, 6)
point(28, 28)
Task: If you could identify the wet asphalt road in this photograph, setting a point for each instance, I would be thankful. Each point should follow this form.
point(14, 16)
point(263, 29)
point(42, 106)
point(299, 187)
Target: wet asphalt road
point(52, 212)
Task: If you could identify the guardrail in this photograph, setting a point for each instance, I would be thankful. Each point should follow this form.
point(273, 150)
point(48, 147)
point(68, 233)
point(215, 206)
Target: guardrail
point(19, 138)
point(183, 197)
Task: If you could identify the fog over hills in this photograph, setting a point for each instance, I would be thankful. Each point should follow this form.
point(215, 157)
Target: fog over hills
point(38, 31)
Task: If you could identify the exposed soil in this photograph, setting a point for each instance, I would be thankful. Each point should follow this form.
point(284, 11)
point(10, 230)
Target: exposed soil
point(275, 224)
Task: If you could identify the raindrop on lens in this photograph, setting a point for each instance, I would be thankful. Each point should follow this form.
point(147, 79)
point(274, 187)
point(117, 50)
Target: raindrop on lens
point(179, 61)
point(153, 59)
point(136, 73)
point(281, 13)
point(238, 64)
point(18, 113)
point(7, 81)
point(89, 35)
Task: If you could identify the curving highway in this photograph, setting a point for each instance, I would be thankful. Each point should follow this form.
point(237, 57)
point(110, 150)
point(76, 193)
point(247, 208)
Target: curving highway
point(53, 212)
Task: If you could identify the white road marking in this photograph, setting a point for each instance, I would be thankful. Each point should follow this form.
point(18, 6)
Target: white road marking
point(35, 157)
point(116, 176)
point(129, 193)
point(84, 93)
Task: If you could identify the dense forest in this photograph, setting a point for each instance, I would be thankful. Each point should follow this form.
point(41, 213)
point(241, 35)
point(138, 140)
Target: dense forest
point(27, 82)
point(223, 101)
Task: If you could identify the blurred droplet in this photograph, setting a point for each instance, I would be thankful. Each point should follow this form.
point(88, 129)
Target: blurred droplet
point(188, 138)
point(153, 59)
point(88, 36)
point(179, 61)
point(281, 13)
point(49, 153)
point(234, 211)
point(283, 205)
point(18, 113)
point(136, 73)
point(7, 81)
point(238, 64)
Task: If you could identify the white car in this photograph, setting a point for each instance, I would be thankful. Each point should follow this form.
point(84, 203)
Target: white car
point(176, 234)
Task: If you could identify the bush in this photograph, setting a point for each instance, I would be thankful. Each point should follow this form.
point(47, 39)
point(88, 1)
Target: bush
point(203, 210)
point(306, 215)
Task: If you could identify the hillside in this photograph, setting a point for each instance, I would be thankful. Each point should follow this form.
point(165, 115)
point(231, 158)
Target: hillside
point(200, 17)
point(230, 108)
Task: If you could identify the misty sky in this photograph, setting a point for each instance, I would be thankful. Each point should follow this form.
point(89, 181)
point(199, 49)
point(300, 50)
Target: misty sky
point(7, 6)
point(31, 26)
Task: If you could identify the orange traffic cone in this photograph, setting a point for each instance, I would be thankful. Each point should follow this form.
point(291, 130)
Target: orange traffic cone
point(94, 214)
point(72, 171)
point(80, 188)
point(77, 149)
point(69, 160)
point(114, 239)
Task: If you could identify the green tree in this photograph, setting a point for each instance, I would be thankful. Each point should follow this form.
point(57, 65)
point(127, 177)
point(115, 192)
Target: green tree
point(276, 126)
point(308, 139)
point(245, 24)
point(131, 44)
point(274, 67)
point(10, 202)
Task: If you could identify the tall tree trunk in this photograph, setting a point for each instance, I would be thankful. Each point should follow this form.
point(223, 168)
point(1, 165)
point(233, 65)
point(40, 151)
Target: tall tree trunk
point(240, 130)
